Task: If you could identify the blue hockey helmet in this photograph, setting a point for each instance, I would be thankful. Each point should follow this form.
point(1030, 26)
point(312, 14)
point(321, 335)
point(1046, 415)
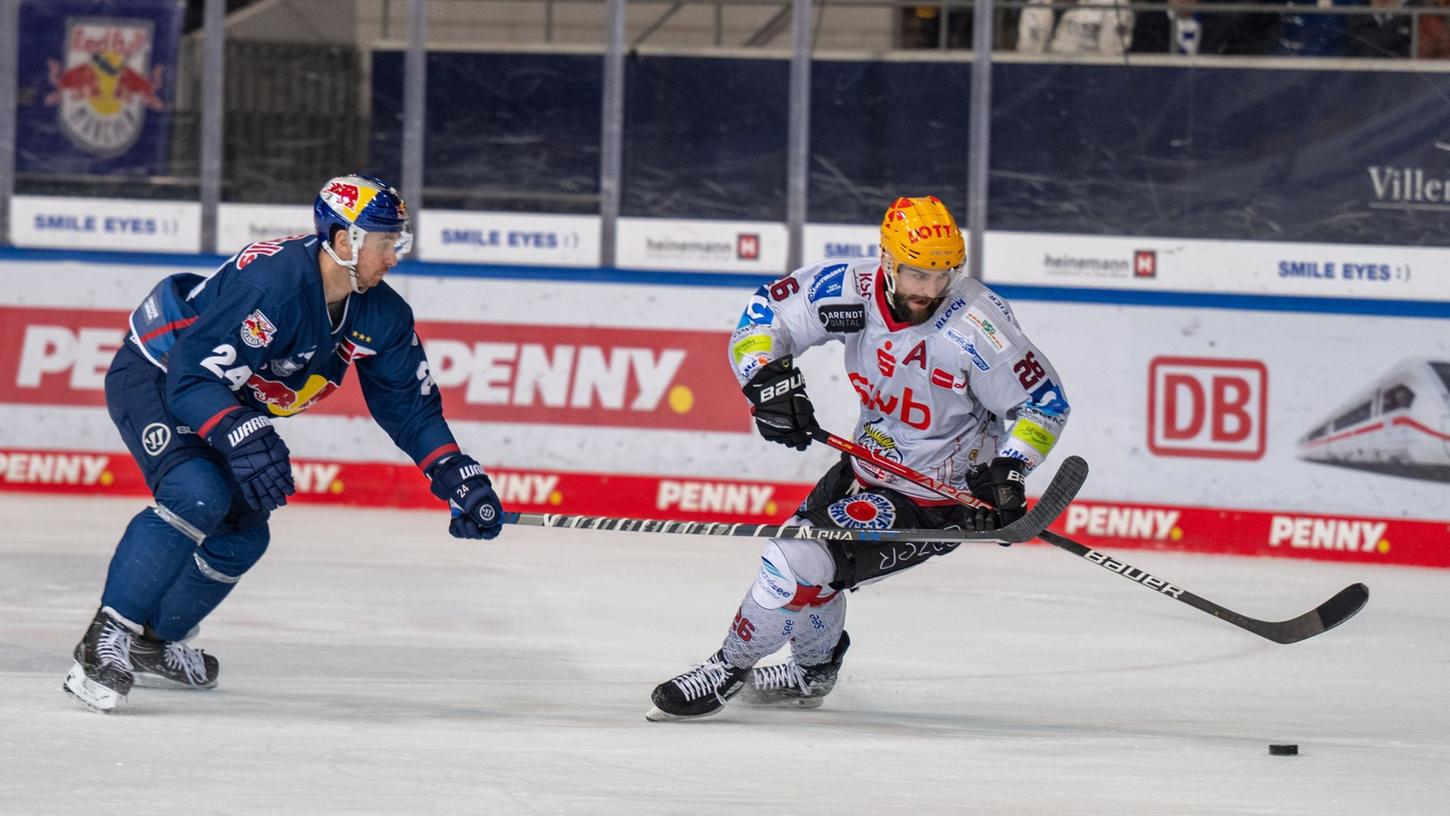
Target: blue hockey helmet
point(360, 205)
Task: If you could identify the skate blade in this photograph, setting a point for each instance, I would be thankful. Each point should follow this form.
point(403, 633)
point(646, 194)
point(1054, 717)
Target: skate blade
point(157, 681)
point(656, 714)
point(89, 693)
point(808, 703)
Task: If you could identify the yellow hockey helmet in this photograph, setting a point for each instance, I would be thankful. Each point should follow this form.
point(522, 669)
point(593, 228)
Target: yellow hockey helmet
point(921, 232)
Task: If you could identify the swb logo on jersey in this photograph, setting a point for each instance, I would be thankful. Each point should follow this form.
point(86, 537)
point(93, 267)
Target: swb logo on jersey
point(866, 511)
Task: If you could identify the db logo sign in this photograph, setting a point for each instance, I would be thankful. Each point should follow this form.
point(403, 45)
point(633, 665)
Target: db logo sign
point(1145, 263)
point(747, 246)
point(1214, 409)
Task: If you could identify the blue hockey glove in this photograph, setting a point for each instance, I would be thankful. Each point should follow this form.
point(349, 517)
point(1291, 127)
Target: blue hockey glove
point(1007, 480)
point(460, 481)
point(257, 457)
point(783, 412)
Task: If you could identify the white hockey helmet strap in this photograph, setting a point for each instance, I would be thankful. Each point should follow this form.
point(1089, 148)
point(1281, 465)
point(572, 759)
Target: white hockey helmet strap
point(355, 236)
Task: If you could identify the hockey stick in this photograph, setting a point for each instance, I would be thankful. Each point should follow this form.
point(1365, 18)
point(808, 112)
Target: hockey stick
point(720, 528)
point(1058, 495)
point(1318, 620)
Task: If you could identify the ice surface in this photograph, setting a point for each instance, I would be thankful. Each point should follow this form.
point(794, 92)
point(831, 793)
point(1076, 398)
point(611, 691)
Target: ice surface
point(371, 664)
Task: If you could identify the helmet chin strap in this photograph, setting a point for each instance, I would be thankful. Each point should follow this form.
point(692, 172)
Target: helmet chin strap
point(355, 236)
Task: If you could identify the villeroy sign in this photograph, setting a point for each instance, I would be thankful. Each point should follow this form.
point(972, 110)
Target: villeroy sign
point(1408, 188)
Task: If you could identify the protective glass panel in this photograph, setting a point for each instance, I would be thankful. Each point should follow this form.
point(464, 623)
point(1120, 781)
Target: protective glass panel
point(106, 127)
point(296, 103)
point(703, 139)
point(880, 130)
point(106, 100)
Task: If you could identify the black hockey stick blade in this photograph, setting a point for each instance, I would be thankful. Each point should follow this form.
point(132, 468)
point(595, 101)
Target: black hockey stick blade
point(720, 528)
point(1059, 494)
point(1344, 605)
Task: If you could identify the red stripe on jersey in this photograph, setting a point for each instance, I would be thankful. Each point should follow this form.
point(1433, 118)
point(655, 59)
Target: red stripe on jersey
point(175, 325)
point(207, 427)
point(436, 455)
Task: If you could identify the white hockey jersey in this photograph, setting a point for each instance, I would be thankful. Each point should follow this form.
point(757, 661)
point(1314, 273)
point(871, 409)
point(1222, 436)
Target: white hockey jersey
point(934, 397)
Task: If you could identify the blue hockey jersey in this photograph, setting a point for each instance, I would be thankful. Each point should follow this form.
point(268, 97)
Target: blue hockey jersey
point(258, 333)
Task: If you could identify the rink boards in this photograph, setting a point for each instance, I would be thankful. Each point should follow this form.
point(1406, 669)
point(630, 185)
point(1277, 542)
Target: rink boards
point(615, 398)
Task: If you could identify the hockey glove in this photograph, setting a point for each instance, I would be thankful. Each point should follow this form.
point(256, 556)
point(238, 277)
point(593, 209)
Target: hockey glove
point(783, 412)
point(257, 457)
point(977, 519)
point(1007, 479)
point(460, 481)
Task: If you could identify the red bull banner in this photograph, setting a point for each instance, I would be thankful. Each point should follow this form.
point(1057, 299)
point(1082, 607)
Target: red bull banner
point(97, 86)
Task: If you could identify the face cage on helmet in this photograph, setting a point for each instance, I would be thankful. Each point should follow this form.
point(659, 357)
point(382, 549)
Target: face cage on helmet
point(889, 264)
point(355, 236)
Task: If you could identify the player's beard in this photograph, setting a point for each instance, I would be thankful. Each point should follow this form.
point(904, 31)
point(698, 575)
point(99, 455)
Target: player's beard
point(914, 313)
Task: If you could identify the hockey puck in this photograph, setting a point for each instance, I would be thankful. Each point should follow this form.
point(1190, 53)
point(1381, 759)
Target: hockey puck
point(1284, 750)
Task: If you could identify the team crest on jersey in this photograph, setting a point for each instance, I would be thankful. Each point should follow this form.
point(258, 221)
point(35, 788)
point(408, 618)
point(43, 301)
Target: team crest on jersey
point(106, 83)
point(865, 511)
point(257, 331)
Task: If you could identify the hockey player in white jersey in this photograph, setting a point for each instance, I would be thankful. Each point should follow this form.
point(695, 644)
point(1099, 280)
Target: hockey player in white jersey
point(949, 386)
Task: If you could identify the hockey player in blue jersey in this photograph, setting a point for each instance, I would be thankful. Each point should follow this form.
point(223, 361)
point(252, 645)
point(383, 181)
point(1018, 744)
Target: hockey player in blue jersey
point(209, 364)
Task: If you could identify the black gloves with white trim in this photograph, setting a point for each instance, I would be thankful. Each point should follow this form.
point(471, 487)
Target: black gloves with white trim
point(1005, 487)
point(783, 412)
point(460, 481)
point(1007, 480)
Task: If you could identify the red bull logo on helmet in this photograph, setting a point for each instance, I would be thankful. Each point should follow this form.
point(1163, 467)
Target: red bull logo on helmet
point(348, 199)
point(344, 195)
point(105, 83)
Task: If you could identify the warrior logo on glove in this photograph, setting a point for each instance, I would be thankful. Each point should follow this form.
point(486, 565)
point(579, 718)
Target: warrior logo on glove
point(460, 481)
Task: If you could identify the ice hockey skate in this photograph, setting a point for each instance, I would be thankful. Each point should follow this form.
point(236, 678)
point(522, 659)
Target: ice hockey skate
point(171, 664)
point(102, 675)
point(699, 692)
point(791, 685)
